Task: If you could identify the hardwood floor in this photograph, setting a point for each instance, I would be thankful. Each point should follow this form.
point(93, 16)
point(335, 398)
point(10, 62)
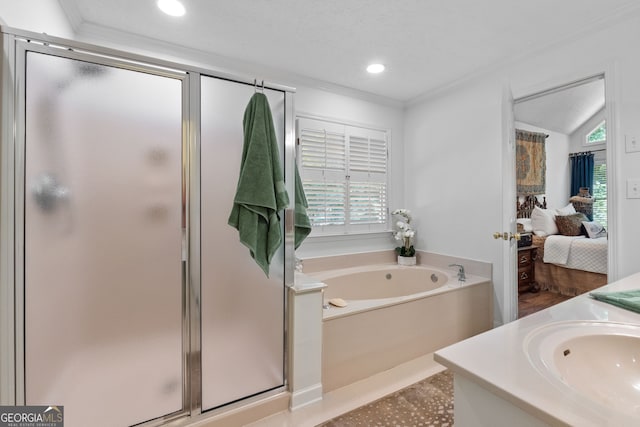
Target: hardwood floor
point(529, 302)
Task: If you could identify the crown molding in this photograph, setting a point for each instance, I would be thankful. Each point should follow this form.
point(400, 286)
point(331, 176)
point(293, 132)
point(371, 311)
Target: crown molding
point(73, 14)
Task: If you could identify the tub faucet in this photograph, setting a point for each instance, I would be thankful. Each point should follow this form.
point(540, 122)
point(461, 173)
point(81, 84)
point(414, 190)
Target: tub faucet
point(461, 276)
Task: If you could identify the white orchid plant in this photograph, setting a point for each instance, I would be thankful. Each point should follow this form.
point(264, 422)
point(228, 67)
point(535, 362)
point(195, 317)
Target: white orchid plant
point(404, 233)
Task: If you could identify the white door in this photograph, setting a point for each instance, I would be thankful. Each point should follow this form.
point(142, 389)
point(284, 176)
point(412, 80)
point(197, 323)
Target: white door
point(510, 276)
point(102, 241)
point(242, 309)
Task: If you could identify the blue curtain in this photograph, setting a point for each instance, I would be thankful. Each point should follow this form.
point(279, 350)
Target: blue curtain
point(581, 172)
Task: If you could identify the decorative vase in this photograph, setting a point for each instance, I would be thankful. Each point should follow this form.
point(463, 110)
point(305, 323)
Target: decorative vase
point(406, 260)
point(584, 192)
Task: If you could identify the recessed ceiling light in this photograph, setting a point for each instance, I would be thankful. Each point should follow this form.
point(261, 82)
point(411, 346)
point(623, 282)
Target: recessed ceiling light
point(171, 7)
point(375, 68)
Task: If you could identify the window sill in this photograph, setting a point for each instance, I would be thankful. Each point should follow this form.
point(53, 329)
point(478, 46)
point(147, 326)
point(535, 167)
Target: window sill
point(351, 236)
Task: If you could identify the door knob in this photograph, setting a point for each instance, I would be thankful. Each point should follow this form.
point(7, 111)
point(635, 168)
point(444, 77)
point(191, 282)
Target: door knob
point(506, 236)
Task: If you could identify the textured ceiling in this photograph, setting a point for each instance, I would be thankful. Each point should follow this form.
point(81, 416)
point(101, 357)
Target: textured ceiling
point(425, 44)
point(564, 110)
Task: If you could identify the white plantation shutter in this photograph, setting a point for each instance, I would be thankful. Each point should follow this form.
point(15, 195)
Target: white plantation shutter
point(367, 154)
point(323, 150)
point(344, 174)
point(367, 203)
point(367, 179)
point(326, 202)
point(323, 160)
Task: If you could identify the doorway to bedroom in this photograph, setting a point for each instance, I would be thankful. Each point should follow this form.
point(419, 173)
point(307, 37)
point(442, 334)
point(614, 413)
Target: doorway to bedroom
point(561, 187)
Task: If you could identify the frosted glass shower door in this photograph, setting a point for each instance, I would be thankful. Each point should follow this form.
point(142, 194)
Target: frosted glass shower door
point(242, 310)
point(103, 212)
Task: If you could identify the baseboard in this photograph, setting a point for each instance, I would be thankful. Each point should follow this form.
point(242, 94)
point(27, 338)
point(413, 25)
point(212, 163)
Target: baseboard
point(305, 396)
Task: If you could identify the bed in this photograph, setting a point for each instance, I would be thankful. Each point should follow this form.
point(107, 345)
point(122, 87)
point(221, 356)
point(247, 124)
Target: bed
point(570, 259)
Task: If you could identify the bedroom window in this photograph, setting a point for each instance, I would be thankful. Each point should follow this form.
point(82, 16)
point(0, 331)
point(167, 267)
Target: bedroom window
point(344, 175)
point(600, 193)
point(597, 135)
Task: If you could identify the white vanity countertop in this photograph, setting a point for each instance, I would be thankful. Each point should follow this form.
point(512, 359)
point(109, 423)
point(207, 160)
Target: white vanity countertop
point(497, 361)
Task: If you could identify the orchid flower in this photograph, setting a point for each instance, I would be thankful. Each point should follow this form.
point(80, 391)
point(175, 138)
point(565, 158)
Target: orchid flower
point(404, 232)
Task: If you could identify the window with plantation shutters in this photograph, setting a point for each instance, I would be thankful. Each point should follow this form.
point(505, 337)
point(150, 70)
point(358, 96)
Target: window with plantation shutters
point(344, 175)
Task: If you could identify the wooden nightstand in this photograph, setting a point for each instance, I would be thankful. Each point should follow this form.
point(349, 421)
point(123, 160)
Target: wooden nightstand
point(526, 269)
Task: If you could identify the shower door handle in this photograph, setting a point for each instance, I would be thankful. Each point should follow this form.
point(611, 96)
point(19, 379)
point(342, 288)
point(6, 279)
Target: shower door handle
point(48, 192)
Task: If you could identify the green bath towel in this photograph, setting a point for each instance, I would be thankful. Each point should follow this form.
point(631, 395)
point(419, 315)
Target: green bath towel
point(625, 299)
point(301, 222)
point(261, 192)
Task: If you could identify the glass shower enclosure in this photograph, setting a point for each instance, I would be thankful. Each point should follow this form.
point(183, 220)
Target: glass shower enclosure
point(131, 299)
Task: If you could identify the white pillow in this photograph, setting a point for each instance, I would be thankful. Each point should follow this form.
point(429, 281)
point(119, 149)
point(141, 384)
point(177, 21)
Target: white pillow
point(594, 230)
point(526, 224)
point(567, 210)
point(543, 222)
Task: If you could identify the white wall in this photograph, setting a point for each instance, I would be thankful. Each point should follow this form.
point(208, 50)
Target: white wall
point(41, 16)
point(558, 175)
point(453, 173)
point(453, 154)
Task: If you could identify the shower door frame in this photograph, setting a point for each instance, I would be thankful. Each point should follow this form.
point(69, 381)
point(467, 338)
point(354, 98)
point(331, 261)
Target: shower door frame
point(15, 44)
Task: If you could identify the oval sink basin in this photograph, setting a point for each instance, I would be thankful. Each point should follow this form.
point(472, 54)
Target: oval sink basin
point(598, 360)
